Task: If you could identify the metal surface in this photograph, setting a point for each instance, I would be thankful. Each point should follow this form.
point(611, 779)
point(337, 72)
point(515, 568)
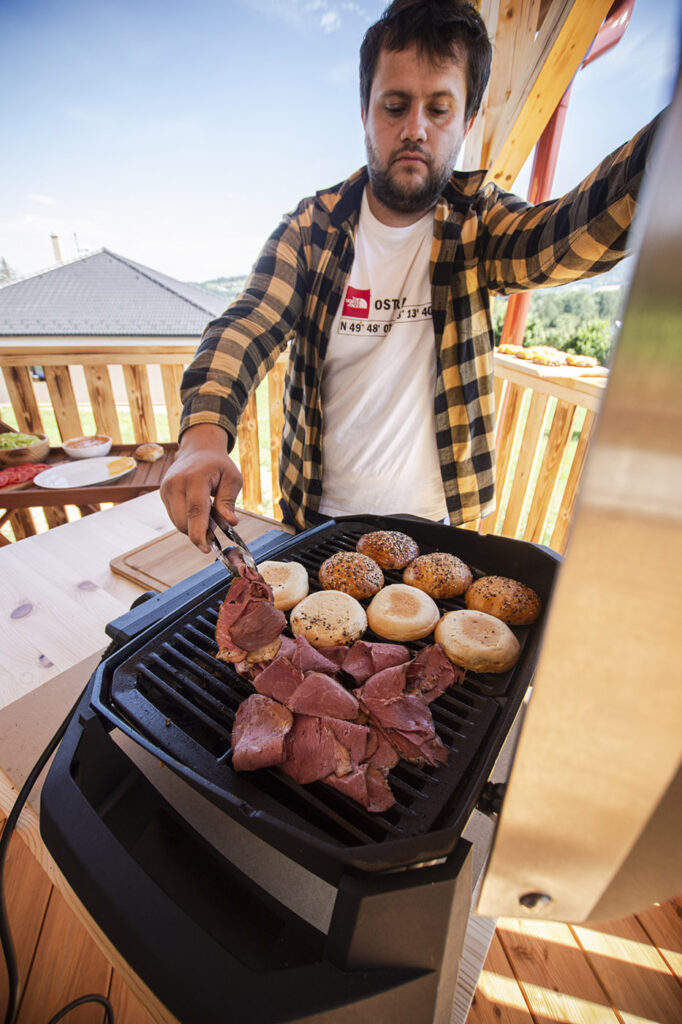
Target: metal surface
point(601, 741)
point(218, 525)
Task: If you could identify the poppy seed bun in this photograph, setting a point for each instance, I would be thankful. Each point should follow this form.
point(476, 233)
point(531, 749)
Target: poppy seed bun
point(327, 618)
point(513, 602)
point(399, 612)
point(288, 581)
point(390, 549)
point(351, 572)
point(439, 574)
point(477, 641)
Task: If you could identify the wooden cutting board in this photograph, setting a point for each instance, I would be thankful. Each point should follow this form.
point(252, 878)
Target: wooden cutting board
point(170, 558)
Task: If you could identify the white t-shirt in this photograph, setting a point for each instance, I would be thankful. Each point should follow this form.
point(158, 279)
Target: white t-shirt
point(379, 437)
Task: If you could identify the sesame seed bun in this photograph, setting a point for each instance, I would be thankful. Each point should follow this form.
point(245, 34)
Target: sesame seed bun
point(351, 572)
point(399, 612)
point(327, 618)
point(513, 602)
point(288, 580)
point(390, 549)
point(439, 574)
point(477, 641)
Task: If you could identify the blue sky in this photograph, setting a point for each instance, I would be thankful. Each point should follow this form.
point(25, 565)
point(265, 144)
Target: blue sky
point(177, 133)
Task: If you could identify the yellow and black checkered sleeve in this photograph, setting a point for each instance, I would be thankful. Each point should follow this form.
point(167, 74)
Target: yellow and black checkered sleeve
point(241, 346)
point(582, 234)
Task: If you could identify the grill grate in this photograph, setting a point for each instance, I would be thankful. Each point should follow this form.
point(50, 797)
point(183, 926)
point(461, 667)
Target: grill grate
point(173, 691)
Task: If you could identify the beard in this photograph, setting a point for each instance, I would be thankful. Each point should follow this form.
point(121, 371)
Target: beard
point(408, 196)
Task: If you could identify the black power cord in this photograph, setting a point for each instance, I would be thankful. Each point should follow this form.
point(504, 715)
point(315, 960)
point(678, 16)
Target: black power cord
point(5, 931)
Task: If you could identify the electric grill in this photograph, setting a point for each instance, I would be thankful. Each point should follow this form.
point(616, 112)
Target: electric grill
point(209, 940)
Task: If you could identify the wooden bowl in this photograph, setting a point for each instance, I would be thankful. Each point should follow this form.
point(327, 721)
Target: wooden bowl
point(35, 452)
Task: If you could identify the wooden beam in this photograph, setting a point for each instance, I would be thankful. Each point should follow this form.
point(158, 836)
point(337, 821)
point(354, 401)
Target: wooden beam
point(538, 46)
point(566, 34)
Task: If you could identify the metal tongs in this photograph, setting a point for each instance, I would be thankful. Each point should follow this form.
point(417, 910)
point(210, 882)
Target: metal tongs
point(234, 543)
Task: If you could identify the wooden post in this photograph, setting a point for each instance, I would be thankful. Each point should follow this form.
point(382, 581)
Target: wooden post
point(249, 457)
point(276, 415)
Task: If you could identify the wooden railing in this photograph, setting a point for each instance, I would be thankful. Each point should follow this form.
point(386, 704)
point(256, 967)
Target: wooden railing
point(131, 392)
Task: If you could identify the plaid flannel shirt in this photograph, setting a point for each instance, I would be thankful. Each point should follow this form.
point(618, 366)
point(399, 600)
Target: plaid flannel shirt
point(485, 241)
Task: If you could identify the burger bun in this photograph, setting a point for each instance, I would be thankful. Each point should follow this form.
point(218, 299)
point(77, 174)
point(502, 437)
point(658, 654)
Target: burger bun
point(477, 641)
point(288, 582)
point(439, 574)
point(506, 599)
point(327, 618)
point(402, 613)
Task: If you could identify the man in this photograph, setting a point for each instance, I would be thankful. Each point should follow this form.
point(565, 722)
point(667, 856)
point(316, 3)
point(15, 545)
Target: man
point(382, 287)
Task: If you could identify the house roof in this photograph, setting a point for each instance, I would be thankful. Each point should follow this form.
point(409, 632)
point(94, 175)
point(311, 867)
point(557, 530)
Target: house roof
point(105, 294)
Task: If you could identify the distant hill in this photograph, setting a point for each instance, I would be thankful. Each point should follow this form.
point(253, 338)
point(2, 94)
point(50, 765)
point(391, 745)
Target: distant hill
point(230, 287)
point(619, 277)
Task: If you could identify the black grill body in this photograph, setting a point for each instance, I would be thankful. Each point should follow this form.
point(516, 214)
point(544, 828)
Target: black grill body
point(403, 878)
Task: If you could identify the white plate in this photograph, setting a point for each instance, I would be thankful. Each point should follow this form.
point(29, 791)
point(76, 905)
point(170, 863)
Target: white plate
point(83, 473)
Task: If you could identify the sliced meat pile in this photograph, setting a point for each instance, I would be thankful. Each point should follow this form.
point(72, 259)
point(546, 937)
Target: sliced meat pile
point(349, 740)
point(249, 626)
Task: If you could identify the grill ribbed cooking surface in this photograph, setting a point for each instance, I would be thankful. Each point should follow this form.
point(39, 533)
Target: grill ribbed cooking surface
point(175, 693)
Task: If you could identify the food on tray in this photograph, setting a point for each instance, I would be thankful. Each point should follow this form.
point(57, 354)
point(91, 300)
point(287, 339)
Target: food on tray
point(509, 350)
point(249, 626)
point(477, 641)
point(355, 574)
point(575, 360)
point(94, 441)
point(304, 720)
point(506, 599)
point(390, 549)
point(120, 465)
point(328, 617)
point(12, 440)
point(439, 574)
point(399, 612)
point(148, 452)
point(288, 581)
point(12, 476)
point(260, 727)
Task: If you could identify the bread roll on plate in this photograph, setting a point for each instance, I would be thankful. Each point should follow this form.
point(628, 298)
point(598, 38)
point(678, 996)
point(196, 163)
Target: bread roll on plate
point(390, 549)
point(513, 602)
point(439, 574)
point(351, 572)
point(477, 641)
point(399, 612)
point(288, 580)
point(327, 618)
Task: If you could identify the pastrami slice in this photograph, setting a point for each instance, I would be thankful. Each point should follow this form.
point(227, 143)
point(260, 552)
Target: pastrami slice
point(260, 727)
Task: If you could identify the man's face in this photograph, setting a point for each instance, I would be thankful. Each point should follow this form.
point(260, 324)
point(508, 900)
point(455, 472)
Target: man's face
point(414, 130)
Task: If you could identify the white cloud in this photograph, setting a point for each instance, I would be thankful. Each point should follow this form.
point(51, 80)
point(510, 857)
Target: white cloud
point(302, 15)
point(45, 200)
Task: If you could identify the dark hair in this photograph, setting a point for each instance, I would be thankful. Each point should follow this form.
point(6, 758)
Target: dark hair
point(441, 29)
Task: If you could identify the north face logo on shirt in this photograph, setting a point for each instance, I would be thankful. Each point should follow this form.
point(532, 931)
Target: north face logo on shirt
point(356, 302)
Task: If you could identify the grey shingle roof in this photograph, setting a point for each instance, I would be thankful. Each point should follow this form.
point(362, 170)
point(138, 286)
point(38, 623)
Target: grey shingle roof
point(105, 294)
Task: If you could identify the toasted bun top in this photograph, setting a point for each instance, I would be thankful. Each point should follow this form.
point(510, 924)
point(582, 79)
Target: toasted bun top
point(355, 574)
point(399, 612)
point(439, 574)
point(288, 580)
point(477, 641)
point(390, 549)
point(327, 618)
point(513, 602)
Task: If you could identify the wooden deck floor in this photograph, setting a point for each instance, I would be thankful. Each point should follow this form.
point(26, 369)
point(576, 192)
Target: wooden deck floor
point(626, 972)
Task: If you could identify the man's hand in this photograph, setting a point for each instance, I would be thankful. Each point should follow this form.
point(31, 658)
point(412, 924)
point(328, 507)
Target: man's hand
point(202, 468)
